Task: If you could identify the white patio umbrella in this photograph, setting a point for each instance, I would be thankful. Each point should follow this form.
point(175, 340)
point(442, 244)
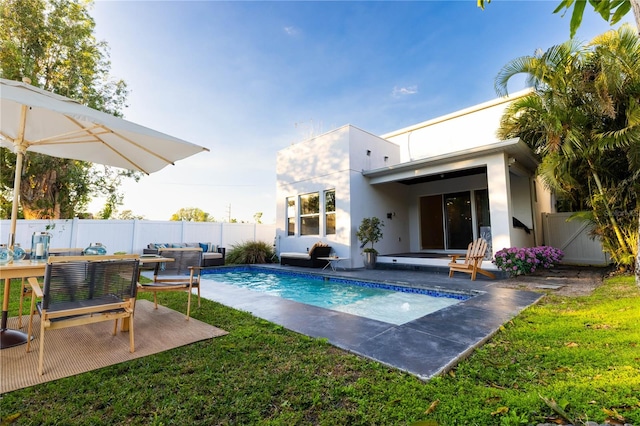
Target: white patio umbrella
point(33, 119)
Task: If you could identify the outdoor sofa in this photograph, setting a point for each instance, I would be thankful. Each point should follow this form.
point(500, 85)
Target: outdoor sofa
point(212, 255)
point(310, 259)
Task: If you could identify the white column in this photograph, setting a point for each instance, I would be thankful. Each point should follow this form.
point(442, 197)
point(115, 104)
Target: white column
point(499, 187)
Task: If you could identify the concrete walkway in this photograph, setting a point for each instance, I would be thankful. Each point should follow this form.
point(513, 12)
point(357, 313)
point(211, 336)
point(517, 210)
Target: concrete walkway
point(425, 347)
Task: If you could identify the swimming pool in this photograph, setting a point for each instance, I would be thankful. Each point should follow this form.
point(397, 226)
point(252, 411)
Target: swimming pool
point(379, 301)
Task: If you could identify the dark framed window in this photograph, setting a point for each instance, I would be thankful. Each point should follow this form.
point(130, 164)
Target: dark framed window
point(291, 215)
point(330, 212)
point(310, 214)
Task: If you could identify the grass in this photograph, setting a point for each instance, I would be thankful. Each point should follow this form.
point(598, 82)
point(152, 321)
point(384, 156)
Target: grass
point(565, 359)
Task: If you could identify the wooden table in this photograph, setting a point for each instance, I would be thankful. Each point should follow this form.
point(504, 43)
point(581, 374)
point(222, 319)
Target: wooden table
point(26, 269)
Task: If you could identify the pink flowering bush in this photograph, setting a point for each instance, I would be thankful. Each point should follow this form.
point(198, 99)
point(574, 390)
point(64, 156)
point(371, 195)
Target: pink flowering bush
point(522, 261)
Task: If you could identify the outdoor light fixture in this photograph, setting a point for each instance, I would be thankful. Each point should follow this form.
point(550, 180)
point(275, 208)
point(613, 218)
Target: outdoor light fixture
point(369, 153)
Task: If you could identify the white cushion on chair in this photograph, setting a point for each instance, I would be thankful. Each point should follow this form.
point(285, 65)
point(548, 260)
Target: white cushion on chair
point(210, 255)
point(295, 255)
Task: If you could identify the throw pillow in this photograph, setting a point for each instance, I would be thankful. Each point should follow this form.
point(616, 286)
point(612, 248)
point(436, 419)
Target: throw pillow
point(204, 247)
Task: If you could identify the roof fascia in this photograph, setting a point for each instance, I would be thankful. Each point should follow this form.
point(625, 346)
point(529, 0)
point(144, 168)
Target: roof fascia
point(513, 147)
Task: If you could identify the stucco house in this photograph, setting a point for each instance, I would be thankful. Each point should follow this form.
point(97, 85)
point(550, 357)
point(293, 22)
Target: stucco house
point(436, 185)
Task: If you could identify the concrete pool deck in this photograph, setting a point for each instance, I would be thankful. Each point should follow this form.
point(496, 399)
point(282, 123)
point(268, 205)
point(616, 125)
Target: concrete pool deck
point(425, 347)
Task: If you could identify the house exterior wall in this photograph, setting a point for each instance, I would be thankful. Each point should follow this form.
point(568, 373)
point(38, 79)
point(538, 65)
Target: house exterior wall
point(369, 152)
point(316, 165)
point(379, 201)
point(543, 203)
point(335, 160)
point(461, 130)
point(522, 210)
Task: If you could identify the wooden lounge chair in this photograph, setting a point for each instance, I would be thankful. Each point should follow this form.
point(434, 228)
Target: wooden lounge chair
point(81, 290)
point(472, 261)
point(183, 274)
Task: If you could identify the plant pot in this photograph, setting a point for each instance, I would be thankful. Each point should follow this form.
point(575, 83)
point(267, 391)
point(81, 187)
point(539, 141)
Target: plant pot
point(370, 260)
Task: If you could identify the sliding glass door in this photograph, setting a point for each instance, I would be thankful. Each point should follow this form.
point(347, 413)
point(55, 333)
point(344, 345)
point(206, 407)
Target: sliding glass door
point(452, 221)
point(459, 228)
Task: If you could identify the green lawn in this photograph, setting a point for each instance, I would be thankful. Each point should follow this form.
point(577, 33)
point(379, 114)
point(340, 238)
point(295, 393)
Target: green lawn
point(579, 355)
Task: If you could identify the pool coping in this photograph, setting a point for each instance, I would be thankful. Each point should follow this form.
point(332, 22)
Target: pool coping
point(425, 347)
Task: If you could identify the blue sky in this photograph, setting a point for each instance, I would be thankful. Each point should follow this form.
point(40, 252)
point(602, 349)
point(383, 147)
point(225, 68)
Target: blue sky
point(247, 79)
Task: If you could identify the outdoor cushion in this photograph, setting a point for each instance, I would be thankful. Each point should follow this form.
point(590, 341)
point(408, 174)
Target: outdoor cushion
point(310, 259)
point(211, 256)
point(296, 255)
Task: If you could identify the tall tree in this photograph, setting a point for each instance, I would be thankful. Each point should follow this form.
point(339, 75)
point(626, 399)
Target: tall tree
point(583, 118)
point(52, 43)
point(192, 214)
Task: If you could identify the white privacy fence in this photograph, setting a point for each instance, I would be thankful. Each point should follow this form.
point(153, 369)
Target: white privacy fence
point(132, 236)
point(572, 237)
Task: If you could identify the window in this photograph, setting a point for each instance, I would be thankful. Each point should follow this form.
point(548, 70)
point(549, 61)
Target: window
point(291, 215)
point(330, 212)
point(310, 214)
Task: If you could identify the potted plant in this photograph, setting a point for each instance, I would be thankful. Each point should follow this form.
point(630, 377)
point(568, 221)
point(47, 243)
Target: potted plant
point(370, 231)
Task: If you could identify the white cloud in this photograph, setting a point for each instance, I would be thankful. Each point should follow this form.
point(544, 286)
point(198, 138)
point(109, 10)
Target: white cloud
point(404, 91)
point(292, 31)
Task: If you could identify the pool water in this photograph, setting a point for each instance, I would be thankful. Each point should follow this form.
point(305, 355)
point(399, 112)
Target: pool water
point(378, 301)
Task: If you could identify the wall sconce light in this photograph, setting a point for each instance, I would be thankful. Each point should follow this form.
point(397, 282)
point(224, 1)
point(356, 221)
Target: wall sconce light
point(389, 215)
point(368, 152)
point(386, 158)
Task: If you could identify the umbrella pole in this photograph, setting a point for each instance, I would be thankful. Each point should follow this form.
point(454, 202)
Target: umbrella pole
point(8, 337)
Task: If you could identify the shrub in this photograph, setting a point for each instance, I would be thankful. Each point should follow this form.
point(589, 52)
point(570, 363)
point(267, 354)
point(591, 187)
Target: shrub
point(250, 252)
point(522, 261)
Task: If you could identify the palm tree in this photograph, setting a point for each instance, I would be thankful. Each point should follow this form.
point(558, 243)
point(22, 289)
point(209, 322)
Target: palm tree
point(583, 119)
point(611, 11)
point(619, 55)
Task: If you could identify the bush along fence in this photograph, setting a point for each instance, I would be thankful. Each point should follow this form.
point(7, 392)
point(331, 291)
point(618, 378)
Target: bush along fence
point(521, 261)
